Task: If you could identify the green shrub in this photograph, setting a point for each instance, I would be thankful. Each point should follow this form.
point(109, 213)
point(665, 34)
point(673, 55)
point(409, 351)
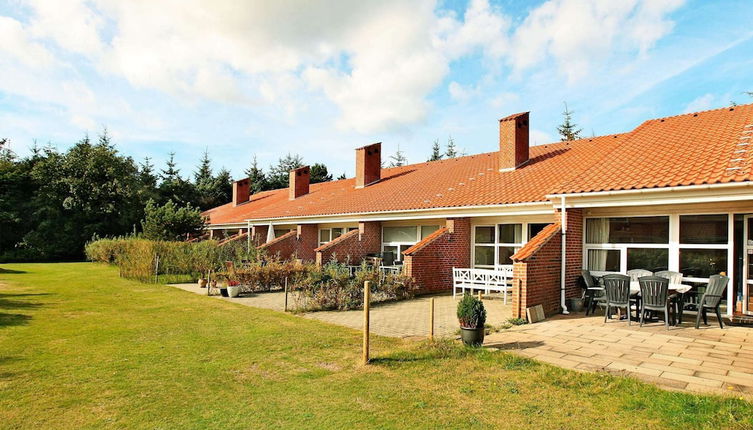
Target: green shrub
point(331, 287)
point(166, 261)
point(471, 312)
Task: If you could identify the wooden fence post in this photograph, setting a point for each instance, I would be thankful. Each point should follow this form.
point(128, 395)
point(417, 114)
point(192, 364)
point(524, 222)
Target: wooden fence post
point(366, 299)
point(431, 318)
point(286, 294)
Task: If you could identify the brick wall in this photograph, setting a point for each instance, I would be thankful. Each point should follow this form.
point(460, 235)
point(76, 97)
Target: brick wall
point(536, 277)
point(351, 247)
point(299, 243)
point(283, 246)
point(259, 234)
point(430, 261)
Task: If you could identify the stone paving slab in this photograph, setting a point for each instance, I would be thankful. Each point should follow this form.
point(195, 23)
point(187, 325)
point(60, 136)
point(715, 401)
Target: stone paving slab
point(407, 318)
point(708, 360)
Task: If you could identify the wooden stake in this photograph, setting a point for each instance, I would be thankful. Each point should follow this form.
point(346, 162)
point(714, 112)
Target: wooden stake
point(366, 299)
point(479, 295)
point(286, 294)
point(431, 318)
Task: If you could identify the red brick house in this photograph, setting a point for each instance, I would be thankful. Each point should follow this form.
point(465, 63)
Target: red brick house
point(674, 193)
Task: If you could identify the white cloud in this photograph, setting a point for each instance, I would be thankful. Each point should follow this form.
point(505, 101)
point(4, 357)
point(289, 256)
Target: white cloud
point(579, 33)
point(704, 102)
point(376, 62)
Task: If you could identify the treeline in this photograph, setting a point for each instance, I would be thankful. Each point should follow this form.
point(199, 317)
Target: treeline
point(52, 202)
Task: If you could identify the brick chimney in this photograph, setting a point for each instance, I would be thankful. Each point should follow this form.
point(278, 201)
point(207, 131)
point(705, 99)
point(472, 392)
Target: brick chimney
point(241, 191)
point(513, 141)
point(299, 182)
point(368, 164)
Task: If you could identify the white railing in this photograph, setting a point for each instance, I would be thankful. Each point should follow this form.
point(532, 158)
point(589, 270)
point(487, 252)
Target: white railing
point(486, 280)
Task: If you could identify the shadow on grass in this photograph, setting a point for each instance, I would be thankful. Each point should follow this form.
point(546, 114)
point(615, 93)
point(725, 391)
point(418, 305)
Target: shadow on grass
point(7, 320)
point(11, 271)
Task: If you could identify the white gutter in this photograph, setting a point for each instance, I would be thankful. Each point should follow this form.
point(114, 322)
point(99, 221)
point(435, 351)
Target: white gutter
point(545, 205)
point(653, 190)
point(563, 227)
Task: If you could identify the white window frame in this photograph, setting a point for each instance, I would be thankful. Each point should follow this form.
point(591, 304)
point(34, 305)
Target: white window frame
point(497, 244)
point(329, 231)
point(399, 253)
point(623, 247)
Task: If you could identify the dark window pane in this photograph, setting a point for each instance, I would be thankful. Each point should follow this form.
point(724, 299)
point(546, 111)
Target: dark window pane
point(484, 234)
point(484, 256)
point(651, 259)
point(324, 235)
point(650, 229)
point(510, 233)
point(399, 234)
point(604, 260)
point(427, 230)
point(505, 252)
point(534, 229)
point(702, 263)
point(708, 229)
point(337, 232)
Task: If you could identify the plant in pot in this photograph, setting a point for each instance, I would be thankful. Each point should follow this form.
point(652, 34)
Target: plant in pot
point(233, 288)
point(472, 317)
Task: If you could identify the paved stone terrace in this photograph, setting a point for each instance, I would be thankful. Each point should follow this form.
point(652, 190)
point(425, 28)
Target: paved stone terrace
point(706, 360)
point(408, 318)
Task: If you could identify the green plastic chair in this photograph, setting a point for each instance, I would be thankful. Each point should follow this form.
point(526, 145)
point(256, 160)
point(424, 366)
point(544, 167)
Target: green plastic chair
point(617, 288)
point(712, 299)
point(654, 296)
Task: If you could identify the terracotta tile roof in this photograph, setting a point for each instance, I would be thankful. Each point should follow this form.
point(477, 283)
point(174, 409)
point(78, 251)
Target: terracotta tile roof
point(700, 148)
point(464, 181)
point(536, 242)
point(708, 147)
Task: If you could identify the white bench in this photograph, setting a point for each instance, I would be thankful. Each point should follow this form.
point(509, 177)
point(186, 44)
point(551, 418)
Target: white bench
point(481, 279)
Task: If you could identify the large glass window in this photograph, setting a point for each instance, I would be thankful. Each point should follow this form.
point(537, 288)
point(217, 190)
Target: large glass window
point(702, 263)
point(534, 229)
point(329, 234)
point(399, 234)
point(703, 229)
point(495, 244)
point(648, 229)
point(653, 259)
point(604, 260)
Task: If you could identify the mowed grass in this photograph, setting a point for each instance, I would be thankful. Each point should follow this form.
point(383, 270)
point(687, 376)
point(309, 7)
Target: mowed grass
point(82, 348)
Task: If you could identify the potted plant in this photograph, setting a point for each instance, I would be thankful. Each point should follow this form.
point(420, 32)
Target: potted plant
point(233, 288)
point(472, 317)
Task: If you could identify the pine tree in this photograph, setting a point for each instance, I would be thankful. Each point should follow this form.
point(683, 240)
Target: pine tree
point(341, 177)
point(398, 159)
point(204, 174)
point(279, 174)
point(171, 173)
point(256, 176)
point(451, 152)
point(567, 129)
point(319, 173)
point(436, 153)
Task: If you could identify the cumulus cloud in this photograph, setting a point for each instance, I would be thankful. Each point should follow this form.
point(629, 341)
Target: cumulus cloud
point(377, 62)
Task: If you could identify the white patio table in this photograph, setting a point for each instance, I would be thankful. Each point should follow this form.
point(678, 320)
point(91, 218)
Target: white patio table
point(635, 288)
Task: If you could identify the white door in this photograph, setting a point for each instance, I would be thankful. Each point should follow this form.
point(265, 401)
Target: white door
point(748, 261)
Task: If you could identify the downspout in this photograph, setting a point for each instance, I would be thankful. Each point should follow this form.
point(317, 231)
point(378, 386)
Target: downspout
point(248, 237)
point(563, 227)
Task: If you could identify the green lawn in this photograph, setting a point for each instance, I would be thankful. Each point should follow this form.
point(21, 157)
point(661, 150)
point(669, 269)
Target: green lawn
point(82, 348)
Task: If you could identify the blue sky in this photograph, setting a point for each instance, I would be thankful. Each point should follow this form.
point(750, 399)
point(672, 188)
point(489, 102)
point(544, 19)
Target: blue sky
point(322, 78)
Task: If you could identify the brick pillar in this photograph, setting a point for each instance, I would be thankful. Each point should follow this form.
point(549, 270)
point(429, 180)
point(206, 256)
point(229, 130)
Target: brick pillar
point(307, 237)
point(536, 273)
point(573, 251)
